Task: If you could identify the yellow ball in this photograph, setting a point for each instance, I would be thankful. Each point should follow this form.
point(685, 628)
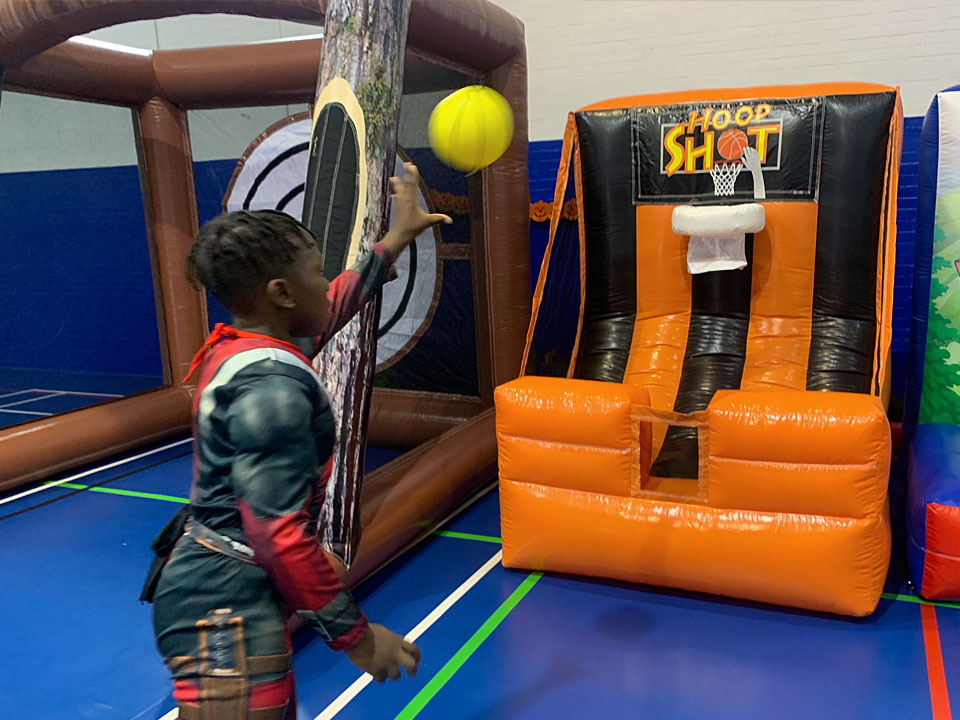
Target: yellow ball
point(471, 128)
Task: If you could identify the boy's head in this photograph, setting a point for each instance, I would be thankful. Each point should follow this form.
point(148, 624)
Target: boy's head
point(263, 265)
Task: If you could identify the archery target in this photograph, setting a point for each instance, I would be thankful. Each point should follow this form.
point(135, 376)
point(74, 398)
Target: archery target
point(272, 173)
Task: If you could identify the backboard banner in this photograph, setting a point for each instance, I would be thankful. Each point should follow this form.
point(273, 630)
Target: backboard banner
point(679, 150)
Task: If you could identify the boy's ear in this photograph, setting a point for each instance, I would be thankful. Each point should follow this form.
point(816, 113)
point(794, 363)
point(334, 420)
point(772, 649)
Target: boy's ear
point(279, 293)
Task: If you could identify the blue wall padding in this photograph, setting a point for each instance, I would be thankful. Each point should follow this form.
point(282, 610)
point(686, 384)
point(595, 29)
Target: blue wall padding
point(76, 288)
point(75, 278)
point(903, 276)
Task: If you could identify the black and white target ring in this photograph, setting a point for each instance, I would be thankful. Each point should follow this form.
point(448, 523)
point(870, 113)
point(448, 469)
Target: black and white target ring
point(271, 174)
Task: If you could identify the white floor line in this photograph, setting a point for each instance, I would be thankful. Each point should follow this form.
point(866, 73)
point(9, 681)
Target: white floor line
point(26, 412)
point(361, 682)
point(16, 392)
point(79, 392)
point(172, 715)
point(30, 400)
point(92, 471)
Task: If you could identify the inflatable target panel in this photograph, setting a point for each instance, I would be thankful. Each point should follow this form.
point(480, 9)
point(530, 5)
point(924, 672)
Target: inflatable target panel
point(932, 404)
point(271, 174)
point(718, 430)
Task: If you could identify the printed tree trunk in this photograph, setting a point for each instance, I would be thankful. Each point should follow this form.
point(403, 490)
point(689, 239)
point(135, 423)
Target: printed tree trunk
point(363, 44)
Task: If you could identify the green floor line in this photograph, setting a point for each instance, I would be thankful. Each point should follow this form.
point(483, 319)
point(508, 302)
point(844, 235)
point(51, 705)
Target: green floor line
point(919, 600)
point(457, 536)
point(468, 536)
point(437, 682)
point(127, 493)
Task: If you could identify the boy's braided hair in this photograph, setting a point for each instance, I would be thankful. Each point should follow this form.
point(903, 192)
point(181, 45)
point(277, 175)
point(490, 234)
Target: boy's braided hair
point(234, 253)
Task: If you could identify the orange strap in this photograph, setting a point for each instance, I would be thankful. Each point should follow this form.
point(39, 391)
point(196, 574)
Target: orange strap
point(221, 331)
point(563, 172)
point(582, 244)
point(887, 252)
point(649, 414)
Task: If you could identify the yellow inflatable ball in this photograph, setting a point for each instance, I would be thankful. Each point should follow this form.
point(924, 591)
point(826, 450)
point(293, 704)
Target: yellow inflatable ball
point(471, 128)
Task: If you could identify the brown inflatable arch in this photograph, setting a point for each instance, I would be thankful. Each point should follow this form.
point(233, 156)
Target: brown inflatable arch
point(453, 441)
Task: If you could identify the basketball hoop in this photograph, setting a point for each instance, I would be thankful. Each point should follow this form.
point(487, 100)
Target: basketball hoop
point(725, 177)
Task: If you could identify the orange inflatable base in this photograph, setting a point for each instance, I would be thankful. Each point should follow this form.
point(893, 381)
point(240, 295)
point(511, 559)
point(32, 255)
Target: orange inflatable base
point(779, 558)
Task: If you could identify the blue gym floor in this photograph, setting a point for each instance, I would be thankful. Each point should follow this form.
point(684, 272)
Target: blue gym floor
point(33, 394)
point(77, 644)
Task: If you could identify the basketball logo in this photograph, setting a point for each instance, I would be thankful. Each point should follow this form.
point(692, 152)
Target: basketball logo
point(732, 143)
point(727, 151)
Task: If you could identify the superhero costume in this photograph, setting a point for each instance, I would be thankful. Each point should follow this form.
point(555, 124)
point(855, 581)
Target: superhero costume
point(248, 554)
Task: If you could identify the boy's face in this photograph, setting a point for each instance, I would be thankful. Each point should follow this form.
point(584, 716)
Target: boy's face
point(309, 288)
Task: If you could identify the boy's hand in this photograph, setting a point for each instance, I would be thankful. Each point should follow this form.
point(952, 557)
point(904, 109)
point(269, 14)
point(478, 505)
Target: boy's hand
point(409, 218)
point(382, 653)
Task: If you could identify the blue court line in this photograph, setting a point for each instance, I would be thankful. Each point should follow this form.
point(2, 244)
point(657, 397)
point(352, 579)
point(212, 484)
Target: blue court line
point(451, 534)
point(94, 471)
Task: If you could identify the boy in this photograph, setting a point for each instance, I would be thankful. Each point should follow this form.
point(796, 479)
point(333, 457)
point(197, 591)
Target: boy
point(264, 437)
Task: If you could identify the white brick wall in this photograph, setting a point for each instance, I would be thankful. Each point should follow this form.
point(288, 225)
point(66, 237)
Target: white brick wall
point(581, 51)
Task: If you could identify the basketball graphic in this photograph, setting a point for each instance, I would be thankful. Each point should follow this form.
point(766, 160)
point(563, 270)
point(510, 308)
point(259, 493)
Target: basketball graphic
point(732, 143)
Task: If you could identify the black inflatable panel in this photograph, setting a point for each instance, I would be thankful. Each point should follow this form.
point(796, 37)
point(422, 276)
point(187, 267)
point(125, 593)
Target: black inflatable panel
point(854, 162)
point(331, 194)
point(609, 220)
point(713, 359)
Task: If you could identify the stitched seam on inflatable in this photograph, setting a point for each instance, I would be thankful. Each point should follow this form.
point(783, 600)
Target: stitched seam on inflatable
point(782, 463)
point(636, 479)
point(609, 448)
point(924, 549)
point(693, 503)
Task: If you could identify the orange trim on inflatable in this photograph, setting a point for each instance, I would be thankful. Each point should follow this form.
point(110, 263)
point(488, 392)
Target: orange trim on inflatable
point(560, 189)
point(781, 303)
point(582, 235)
point(746, 93)
point(887, 252)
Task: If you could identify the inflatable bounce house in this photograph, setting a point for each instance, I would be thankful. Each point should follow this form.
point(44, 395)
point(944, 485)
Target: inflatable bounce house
point(474, 304)
point(932, 419)
point(721, 425)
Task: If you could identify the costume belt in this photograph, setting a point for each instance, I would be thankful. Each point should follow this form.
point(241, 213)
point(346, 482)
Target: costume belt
point(222, 544)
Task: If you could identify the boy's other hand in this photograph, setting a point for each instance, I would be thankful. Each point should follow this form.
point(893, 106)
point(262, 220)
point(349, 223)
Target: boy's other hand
point(382, 654)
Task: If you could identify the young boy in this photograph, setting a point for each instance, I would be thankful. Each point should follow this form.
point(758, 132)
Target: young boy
point(264, 435)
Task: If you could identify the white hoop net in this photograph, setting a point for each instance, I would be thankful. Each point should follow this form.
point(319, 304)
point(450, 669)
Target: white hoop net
point(725, 177)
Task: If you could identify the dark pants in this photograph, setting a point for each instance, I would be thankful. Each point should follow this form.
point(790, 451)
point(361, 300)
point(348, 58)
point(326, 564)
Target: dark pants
point(221, 629)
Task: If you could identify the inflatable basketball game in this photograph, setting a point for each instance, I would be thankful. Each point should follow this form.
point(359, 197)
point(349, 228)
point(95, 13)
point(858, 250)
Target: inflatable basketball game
point(721, 426)
point(933, 389)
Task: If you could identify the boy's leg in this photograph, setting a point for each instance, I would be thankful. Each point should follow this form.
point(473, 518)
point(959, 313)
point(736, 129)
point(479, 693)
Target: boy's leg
point(273, 700)
point(221, 682)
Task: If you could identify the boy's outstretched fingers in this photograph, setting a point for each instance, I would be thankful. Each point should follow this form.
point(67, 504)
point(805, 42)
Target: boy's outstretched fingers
point(410, 658)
